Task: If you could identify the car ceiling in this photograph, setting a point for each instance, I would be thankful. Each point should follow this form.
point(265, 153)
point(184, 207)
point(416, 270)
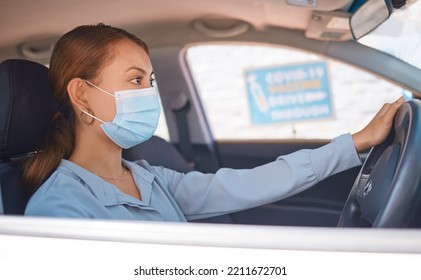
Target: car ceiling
point(28, 20)
point(30, 28)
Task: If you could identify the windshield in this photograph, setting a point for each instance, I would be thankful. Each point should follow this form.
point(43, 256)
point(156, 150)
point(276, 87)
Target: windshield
point(400, 35)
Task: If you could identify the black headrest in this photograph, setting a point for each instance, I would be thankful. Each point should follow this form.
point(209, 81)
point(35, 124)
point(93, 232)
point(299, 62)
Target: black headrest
point(26, 107)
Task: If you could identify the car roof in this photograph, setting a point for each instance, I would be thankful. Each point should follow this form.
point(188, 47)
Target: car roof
point(27, 20)
point(30, 29)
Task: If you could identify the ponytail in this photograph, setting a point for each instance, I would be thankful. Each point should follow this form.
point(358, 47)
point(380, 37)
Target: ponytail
point(58, 144)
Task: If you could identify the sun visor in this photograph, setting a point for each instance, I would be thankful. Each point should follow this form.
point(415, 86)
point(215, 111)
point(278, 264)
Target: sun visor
point(329, 26)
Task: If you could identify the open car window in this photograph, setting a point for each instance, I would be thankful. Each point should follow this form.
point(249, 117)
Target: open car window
point(265, 92)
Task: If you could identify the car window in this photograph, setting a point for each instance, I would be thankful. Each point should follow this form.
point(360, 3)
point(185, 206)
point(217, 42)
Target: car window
point(162, 128)
point(266, 92)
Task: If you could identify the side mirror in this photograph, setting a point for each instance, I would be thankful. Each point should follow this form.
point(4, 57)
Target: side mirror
point(370, 15)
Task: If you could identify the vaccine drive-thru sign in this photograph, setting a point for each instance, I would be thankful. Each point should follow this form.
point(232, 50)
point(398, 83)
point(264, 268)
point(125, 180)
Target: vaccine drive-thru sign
point(289, 93)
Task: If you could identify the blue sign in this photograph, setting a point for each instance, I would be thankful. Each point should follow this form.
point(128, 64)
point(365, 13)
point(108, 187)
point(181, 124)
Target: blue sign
point(289, 93)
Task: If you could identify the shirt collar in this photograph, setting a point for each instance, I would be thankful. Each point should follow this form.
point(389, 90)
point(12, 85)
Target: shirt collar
point(107, 193)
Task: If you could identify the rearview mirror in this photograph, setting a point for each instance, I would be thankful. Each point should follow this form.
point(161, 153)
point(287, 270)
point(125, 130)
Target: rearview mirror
point(370, 15)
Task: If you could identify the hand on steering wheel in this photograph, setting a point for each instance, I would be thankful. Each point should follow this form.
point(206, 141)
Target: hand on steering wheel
point(387, 191)
point(378, 128)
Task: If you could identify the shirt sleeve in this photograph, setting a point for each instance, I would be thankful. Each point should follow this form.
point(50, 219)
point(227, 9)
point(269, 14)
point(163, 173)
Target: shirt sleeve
point(228, 190)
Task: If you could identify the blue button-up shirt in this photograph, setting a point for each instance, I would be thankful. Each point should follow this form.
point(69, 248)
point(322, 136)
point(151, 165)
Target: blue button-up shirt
point(72, 191)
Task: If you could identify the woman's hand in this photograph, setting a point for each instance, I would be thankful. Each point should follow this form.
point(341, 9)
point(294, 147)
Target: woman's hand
point(378, 128)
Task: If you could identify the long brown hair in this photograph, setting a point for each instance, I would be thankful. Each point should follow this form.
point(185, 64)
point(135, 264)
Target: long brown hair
point(82, 52)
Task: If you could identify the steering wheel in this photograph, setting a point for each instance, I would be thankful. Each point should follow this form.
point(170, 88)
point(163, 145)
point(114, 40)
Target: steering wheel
point(387, 191)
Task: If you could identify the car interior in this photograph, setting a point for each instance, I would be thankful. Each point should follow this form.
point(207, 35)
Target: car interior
point(172, 29)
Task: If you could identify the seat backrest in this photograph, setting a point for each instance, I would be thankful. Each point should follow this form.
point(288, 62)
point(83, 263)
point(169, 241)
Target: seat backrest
point(157, 151)
point(26, 107)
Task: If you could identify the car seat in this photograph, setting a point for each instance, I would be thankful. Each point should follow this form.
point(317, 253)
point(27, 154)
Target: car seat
point(26, 108)
point(157, 151)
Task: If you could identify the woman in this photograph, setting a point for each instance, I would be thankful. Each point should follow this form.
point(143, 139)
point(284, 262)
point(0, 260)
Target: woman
point(101, 78)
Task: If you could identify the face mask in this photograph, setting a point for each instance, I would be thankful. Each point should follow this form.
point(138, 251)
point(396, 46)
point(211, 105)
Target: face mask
point(136, 118)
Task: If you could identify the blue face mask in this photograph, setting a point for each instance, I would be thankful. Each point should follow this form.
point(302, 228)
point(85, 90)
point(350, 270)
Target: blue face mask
point(136, 118)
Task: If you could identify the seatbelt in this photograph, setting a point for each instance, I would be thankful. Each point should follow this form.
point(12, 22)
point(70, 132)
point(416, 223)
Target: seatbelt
point(180, 106)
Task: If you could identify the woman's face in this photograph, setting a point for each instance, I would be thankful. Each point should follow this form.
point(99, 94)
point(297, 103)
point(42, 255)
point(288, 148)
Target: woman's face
point(130, 69)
